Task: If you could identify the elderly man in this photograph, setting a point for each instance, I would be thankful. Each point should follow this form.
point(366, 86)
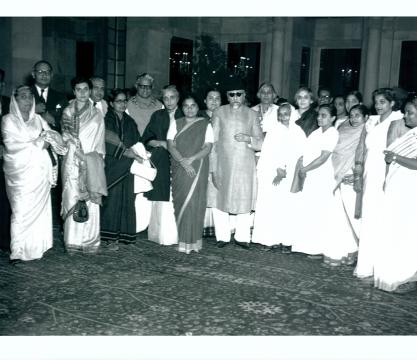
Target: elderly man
point(97, 94)
point(49, 102)
point(237, 134)
point(143, 104)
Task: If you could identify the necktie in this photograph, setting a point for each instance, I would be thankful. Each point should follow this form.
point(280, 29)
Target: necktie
point(42, 96)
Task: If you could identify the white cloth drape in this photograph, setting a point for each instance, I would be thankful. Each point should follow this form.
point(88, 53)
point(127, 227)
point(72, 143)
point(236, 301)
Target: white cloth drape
point(28, 175)
point(281, 149)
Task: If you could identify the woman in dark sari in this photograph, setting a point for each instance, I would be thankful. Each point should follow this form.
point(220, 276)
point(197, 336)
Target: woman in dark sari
point(118, 219)
point(189, 143)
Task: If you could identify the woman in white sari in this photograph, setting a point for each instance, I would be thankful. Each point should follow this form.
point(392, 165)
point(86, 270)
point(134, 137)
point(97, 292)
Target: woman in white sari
point(83, 168)
point(283, 145)
point(29, 176)
point(396, 260)
point(369, 172)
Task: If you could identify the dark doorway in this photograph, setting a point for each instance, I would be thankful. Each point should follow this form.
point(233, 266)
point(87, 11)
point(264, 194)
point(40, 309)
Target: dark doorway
point(339, 70)
point(85, 58)
point(305, 66)
point(408, 66)
point(243, 60)
point(181, 54)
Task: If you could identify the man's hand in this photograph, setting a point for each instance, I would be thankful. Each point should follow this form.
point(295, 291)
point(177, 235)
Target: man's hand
point(40, 108)
point(242, 138)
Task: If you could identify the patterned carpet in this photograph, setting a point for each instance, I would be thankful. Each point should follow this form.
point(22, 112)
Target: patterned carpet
point(147, 289)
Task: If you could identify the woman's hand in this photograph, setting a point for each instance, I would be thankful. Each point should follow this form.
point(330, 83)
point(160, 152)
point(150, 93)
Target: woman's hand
point(389, 156)
point(357, 183)
point(187, 161)
point(302, 172)
point(281, 174)
point(80, 154)
point(243, 138)
point(188, 169)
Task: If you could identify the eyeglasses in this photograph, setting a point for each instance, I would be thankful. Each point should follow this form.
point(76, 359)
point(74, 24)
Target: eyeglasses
point(233, 94)
point(43, 72)
point(145, 87)
point(120, 101)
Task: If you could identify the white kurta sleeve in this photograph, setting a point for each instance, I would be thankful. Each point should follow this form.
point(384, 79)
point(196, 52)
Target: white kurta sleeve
point(172, 130)
point(209, 134)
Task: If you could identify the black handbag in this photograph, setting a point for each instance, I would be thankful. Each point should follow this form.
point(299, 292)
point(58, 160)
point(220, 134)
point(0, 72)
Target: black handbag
point(80, 213)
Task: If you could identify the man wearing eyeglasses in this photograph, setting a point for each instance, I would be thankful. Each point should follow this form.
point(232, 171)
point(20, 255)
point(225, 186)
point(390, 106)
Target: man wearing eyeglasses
point(324, 96)
point(141, 106)
point(97, 94)
point(237, 134)
point(49, 102)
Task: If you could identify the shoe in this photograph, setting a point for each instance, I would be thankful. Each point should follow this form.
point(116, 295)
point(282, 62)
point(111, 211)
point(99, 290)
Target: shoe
point(243, 245)
point(221, 244)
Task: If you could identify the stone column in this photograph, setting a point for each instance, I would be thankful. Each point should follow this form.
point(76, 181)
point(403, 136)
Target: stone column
point(277, 54)
point(373, 48)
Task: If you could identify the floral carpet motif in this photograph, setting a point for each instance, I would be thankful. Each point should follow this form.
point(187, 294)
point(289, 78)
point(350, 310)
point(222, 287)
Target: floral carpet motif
point(147, 289)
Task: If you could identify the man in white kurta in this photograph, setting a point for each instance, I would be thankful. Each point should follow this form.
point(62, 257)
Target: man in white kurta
point(237, 133)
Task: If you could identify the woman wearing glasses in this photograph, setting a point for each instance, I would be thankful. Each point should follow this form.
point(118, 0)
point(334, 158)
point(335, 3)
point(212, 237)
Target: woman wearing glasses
point(118, 218)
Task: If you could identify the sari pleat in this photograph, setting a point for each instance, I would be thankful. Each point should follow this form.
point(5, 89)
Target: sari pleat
point(189, 193)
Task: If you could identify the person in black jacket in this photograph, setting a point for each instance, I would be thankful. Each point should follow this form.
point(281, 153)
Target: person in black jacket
point(50, 105)
point(49, 102)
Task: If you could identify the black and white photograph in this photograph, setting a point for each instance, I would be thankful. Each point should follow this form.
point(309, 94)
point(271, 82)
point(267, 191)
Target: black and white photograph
point(179, 185)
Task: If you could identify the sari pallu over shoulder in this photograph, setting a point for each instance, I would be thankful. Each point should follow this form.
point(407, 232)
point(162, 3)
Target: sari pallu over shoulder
point(189, 193)
point(83, 130)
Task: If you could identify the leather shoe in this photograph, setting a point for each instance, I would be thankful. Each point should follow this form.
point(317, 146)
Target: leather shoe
point(221, 244)
point(243, 245)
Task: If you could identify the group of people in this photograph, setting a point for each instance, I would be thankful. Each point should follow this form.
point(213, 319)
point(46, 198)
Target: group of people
point(325, 178)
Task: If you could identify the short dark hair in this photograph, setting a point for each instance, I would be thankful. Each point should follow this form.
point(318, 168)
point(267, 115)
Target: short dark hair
point(330, 107)
point(357, 94)
point(362, 108)
point(115, 92)
point(388, 94)
point(79, 80)
point(42, 62)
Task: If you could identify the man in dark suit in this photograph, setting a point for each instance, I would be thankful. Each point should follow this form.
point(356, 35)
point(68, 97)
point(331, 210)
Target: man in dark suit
point(5, 211)
point(4, 100)
point(49, 102)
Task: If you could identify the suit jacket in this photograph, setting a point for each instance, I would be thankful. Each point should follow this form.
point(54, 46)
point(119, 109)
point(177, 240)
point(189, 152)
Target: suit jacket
point(157, 129)
point(5, 104)
point(55, 105)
